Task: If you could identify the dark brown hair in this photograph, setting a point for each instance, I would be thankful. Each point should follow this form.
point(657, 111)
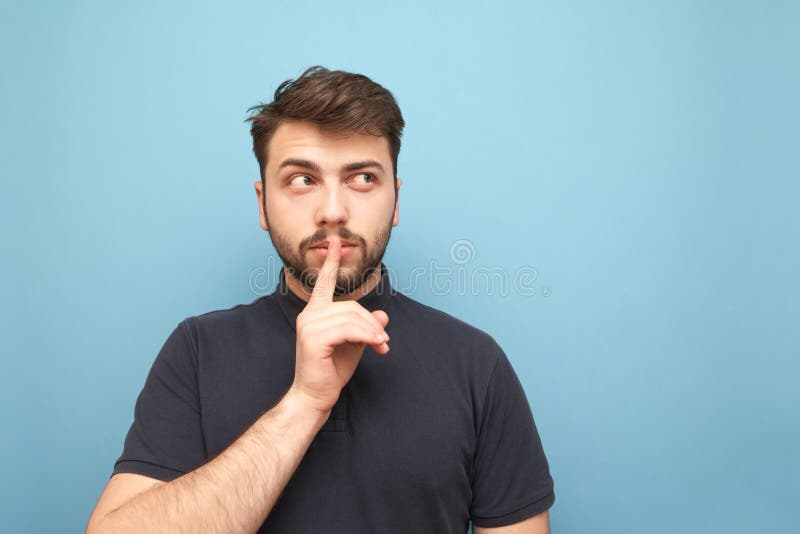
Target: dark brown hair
point(335, 100)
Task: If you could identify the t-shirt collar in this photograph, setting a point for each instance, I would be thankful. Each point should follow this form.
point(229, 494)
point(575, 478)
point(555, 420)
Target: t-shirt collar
point(292, 305)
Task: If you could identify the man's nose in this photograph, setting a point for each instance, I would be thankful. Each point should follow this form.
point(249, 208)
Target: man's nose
point(333, 209)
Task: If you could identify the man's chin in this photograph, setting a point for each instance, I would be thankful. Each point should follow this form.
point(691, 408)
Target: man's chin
point(349, 279)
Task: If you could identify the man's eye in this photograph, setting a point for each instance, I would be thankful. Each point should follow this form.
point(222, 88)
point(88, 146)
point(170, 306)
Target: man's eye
point(301, 180)
point(365, 177)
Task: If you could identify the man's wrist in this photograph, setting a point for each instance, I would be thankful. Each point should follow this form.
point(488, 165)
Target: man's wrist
point(301, 406)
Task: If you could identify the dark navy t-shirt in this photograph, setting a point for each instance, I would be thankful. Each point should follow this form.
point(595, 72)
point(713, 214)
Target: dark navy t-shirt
point(434, 434)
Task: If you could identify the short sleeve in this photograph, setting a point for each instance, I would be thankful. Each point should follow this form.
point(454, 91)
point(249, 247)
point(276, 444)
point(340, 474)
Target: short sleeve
point(166, 437)
point(511, 479)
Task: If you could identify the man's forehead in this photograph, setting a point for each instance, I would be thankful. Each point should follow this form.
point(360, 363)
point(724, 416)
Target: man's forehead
point(304, 140)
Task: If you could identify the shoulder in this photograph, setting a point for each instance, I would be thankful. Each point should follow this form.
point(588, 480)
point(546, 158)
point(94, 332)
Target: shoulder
point(233, 313)
point(234, 321)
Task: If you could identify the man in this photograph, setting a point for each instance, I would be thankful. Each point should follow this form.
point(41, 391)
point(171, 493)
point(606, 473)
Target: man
point(334, 404)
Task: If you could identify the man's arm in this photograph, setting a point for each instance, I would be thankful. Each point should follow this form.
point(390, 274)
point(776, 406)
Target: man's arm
point(234, 492)
point(538, 524)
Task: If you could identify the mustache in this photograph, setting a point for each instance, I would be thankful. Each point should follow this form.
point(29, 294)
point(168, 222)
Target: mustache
point(322, 235)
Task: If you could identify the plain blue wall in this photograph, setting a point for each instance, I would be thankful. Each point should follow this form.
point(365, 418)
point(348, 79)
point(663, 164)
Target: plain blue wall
point(642, 158)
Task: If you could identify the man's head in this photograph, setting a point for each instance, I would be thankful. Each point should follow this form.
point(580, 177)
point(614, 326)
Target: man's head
point(327, 149)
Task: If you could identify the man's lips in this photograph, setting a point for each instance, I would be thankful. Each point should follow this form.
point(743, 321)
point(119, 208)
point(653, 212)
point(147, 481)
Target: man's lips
point(321, 249)
point(324, 244)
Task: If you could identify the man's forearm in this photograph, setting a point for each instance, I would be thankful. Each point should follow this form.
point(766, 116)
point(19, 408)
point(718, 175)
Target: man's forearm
point(235, 491)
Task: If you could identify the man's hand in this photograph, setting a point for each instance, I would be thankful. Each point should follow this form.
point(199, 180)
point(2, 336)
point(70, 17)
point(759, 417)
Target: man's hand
point(332, 336)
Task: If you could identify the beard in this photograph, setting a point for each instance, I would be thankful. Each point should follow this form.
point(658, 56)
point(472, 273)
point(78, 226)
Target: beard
point(348, 279)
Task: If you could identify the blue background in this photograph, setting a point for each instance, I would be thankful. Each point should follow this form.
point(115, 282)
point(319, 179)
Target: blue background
point(641, 156)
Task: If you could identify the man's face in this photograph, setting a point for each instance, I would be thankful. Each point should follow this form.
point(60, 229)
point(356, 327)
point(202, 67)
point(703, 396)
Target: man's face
point(319, 184)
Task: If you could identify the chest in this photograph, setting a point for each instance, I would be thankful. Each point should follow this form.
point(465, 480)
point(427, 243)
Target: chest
point(407, 413)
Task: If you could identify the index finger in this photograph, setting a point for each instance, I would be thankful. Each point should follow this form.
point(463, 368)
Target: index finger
point(326, 279)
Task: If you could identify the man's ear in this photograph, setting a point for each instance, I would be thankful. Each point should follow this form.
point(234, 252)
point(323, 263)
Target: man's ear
point(259, 196)
point(396, 218)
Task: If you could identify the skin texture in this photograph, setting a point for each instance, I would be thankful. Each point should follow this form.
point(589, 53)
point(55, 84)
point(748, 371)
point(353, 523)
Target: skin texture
point(305, 206)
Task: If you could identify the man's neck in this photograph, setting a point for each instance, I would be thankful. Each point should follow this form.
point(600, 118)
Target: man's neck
point(300, 290)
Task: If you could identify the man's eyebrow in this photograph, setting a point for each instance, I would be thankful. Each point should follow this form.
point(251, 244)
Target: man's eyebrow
point(299, 163)
point(308, 164)
point(362, 165)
